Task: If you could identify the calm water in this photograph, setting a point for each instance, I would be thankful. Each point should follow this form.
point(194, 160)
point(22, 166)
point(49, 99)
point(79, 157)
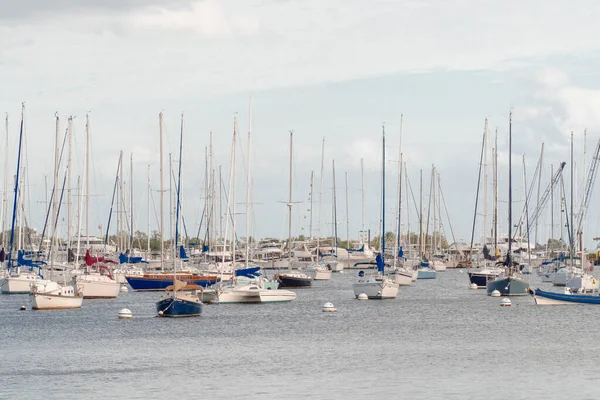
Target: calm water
point(437, 340)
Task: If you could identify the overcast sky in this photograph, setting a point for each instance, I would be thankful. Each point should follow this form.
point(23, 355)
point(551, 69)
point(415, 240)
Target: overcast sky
point(334, 69)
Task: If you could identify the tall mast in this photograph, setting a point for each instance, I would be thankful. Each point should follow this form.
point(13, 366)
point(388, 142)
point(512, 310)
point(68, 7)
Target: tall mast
point(399, 195)
point(70, 140)
point(121, 206)
point(347, 216)
point(485, 184)
point(54, 198)
point(335, 232)
point(87, 181)
point(508, 253)
point(5, 189)
point(407, 211)
point(320, 196)
point(148, 221)
point(233, 217)
point(538, 193)
point(362, 201)
point(290, 207)
point(162, 194)
point(551, 201)
point(571, 231)
point(383, 196)
point(248, 185)
point(496, 192)
point(178, 205)
point(131, 201)
point(310, 209)
point(421, 212)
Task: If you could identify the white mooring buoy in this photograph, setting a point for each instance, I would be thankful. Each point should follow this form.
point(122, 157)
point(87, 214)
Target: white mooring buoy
point(505, 302)
point(125, 313)
point(363, 296)
point(496, 293)
point(123, 289)
point(474, 286)
point(328, 307)
point(160, 313)
point(23, 308)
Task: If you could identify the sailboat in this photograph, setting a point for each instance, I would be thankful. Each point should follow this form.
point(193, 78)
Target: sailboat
point(402, 276)
point(481, 274)
point(52, 295)
point(253, 291)
point(177, 303)
point(510, 283)
point(291, 279)
point(95, 282)
point(425, 271)
point(160, 281)
point(378, 286)
point(20, 275)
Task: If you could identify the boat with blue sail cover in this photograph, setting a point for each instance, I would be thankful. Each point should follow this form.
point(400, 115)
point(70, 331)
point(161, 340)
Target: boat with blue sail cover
point(378, 286)
point(542, 297)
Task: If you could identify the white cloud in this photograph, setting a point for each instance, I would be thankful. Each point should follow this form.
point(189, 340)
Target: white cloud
point(207, 18)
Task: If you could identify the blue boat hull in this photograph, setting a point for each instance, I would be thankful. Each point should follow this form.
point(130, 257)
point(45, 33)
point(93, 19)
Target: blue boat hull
point(175, 308)
point(543, 297)
point(149, 284)
point(508, 286)
point(426, 274)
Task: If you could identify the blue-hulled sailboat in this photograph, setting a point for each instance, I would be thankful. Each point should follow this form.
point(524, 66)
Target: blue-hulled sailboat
point(178, 303)
point(510, 283)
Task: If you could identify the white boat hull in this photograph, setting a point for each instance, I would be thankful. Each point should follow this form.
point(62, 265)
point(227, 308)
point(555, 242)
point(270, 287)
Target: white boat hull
point(586, 283)
point(403, 278)
point(66, 298)
point(21, 282)
point(98, 289)
point(276, 296)
point(254, 294)
point(376, 288)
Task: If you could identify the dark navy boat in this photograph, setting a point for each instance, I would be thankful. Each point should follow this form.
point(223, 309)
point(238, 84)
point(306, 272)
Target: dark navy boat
point(293, 280)
point(179, 303)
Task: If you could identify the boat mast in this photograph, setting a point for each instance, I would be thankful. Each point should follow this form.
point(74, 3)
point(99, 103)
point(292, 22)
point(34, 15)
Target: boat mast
point(485, 185)
point(162, 216)
point(538, 194)
point(290, 208)
point(131, 202)
point(248, 186)
point(347, 218)
point(16, 191)
point(496, 193)
point(383, 199)
point(407, 211)
point(508, 252)
point(421, 212)
point(399, 196)
point(571, 231)
point(362, 202)
point(5, 189)
point(320, 199)
point(69, 150)
point(233, 217)
point(310, 209)
point(54, 197)
point(87, 181)
point(335, 232)
point(148, 222)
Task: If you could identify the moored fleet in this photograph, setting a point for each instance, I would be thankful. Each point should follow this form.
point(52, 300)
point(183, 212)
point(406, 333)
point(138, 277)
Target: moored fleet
point(63, 268)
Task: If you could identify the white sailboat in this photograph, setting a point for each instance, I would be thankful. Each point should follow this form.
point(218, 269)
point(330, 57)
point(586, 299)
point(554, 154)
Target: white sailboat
point(92, 282)
point(378, 286)
point(53, 295)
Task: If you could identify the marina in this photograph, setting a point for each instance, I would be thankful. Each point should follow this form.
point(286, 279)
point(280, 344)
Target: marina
point(267, 199)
